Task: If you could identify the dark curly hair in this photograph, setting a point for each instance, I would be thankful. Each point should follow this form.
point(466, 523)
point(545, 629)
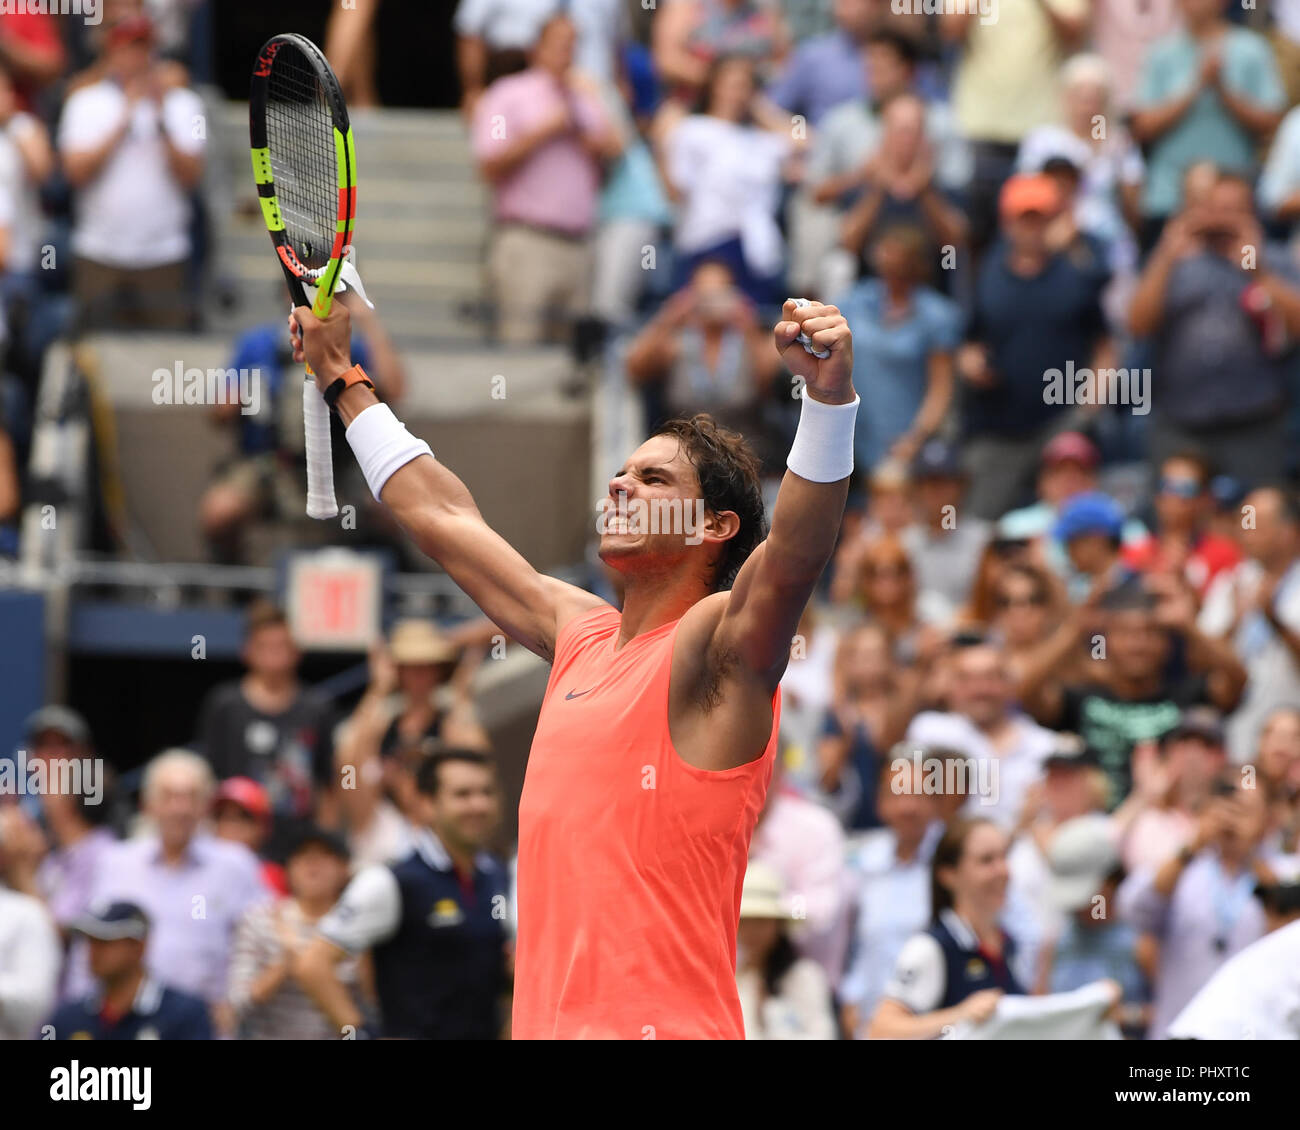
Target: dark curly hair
point(728, 471)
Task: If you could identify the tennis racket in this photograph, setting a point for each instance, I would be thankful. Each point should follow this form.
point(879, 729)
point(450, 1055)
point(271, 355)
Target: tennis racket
point(304, 164)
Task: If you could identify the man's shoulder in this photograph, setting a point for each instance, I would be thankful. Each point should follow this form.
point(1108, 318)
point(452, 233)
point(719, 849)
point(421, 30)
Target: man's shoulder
point(21, 908)
point(226, 695)
point(937, 726)
point(93, 96)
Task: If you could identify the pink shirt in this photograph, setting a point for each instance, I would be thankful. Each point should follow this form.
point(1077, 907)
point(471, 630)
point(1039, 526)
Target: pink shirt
point(805, 844)
point(558, 185)
point(1155, 836)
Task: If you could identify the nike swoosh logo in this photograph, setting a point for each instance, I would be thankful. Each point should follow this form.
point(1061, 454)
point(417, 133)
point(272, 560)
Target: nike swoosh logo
point(578, 695)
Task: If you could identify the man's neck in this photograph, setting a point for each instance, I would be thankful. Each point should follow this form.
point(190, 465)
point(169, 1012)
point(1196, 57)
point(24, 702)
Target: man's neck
point(119, 996)
point(650, 602)
point(1211, 28)
point(174, 854)
point(905, 850)
point(273, 689)
point(1026, 264)
point(462, 854)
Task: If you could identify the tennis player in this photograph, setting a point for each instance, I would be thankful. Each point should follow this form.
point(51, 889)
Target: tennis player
point(658, 730)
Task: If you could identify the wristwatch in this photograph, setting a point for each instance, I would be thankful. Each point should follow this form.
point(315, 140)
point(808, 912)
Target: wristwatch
point(354, 376)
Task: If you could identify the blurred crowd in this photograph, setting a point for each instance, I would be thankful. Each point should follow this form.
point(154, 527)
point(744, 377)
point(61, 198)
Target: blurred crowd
point(1041, 724)
point(103, 220)
point(1062, 234)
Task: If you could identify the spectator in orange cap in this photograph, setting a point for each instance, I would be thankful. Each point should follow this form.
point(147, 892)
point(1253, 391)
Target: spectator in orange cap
point(1037, 311)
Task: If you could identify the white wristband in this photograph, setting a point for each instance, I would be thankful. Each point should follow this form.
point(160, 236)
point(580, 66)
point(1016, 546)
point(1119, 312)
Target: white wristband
point(382, 445)
point(822, 451)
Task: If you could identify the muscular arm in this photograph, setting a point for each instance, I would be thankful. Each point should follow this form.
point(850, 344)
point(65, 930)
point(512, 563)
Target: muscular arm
point(774, 584)
point(438, 512)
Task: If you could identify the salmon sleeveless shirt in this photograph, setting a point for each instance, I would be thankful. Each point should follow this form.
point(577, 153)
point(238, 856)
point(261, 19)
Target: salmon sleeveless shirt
point(630, 860)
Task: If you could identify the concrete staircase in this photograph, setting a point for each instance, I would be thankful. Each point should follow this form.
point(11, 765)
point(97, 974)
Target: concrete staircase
point(420, 234)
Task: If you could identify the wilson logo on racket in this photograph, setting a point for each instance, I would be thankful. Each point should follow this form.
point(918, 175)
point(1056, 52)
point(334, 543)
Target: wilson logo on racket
point(265, 60)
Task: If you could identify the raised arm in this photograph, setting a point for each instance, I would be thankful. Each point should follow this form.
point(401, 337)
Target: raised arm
point(774, 585)
point(436, 508)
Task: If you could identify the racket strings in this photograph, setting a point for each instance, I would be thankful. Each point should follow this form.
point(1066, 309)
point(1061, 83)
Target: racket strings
point(300, 137)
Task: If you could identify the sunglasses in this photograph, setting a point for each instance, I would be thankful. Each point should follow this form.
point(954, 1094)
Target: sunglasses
point(1021, 601)
point(1181, 488)
point(874, 571)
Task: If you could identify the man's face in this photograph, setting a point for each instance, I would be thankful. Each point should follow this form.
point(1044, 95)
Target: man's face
point(654, 514)
point(1181, 501)
point(1194, 761)
point(934, 492)
point(888, 72)
point(419, 680)
point(1199, 11)
point(315, 873)
point(714, 294)
point(1059, 482)
point(904, 807)
point(270, 651)
point(903, 129)
point(112, 960)
point(857, 17)
point(468, 804)
point(1278, 757)
point(1272, 534)
point(980, 689)
point(1227, 206)
point(55, 745)
point(555, 46)
point(234, 823)
point(1066, 792)
point(1027, 232)
point(176, 805)
point(1090, 553)
point(1135, 643)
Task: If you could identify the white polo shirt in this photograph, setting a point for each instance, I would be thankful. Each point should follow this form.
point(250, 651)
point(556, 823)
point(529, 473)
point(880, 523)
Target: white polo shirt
point(1254, 995)
point(134, 214)
point(29, 964)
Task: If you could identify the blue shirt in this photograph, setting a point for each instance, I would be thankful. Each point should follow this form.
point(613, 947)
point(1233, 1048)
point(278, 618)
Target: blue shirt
point(157, 1013)
point(1207, 132)
point(265, 350)
point(1094, 954)
point(891, 360)
point(1030, 326)
point(822, 73)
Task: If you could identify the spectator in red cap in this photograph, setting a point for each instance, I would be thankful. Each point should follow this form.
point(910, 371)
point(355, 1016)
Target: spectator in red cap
point(31, 50)
point(132, 146)
point(1181, 541)
point(241, 813)
point(1036, 310)
point(1067, 470)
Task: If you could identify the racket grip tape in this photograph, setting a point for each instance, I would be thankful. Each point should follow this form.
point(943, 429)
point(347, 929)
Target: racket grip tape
point(320, 462)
